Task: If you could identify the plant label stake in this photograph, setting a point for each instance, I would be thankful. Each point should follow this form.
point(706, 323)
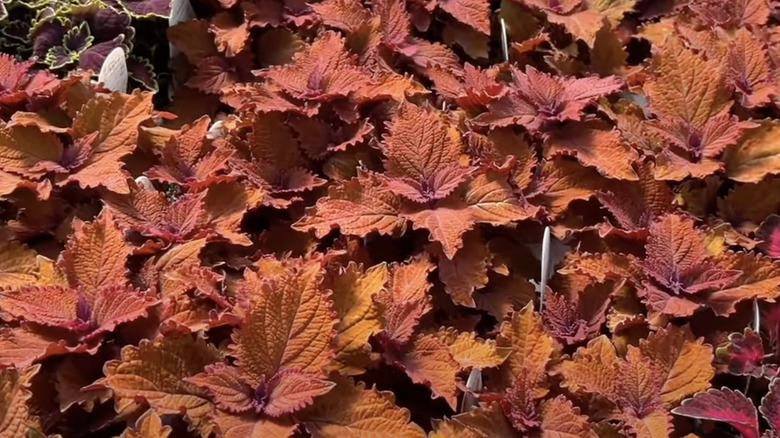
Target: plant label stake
point(545, 266)
point(113, 73)
point(181, 10)
point(504, 41)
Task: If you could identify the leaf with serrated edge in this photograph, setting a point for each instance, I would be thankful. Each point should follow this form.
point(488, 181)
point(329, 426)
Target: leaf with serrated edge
point(724, 405)
point(352, 411)
point(531, 346)
point(156, 373)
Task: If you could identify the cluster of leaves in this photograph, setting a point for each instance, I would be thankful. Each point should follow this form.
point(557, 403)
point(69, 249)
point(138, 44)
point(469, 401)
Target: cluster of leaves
point(64, 35)
point(334, 228)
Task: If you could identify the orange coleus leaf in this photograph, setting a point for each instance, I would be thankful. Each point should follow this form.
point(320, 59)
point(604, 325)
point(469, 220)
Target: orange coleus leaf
point(106, 129)
point(96, 254)
point(422, 155)
point(285, 365)
point(682, 364)
point(749, 70)
point(352, 411)
point(16, 418)
point(755, 156)
point(248, 425)
point(356, 207)
point(484, 421)
point(686, 85)
point(537, 99)
point(427, 360)
point(148, 425)
point(676, 258)
point(760, 279)
point(22, 346)
point(71, 309)
point(531, 347)
point(187, 158)
point(465, 272)
point(321, 72)
point(354, 293)
point(18, 265)
point(560, 419)
point(156, 373)
point(345, 15)
point(593, 369)
point(23, 148)
point(294, 299)
point(151, 213)
point(594, 146)
point(563, 182)
point(404, 300)
point(635, 205)
point(471, 12)
point(732, 14)
point(469, 351)
point(275, 164)
point(487, 198)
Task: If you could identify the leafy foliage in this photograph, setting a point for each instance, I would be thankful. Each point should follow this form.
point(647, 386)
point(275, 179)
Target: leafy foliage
point(332, 225)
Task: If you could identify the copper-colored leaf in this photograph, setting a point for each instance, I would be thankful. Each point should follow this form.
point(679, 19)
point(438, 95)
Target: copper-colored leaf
point(352, 411)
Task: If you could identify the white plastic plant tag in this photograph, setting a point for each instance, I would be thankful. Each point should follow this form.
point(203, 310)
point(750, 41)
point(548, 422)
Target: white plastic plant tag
point(113, 73)
point(474, 383)
point(181, 10)
point(545, 266)
point(144, 182)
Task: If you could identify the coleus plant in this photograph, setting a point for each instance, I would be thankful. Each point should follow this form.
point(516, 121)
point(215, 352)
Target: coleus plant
point(64, 35)
point(334, 227)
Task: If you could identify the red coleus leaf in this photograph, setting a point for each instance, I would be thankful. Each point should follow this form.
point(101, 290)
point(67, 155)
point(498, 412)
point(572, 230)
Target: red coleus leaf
point(743, 354)
point(18, 84)
point(725, 405)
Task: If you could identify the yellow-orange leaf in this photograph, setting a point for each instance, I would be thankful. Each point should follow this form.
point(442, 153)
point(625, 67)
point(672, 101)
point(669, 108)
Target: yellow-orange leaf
point(595, 146)
point(560, 419)
point(593, 369)
point(356, 207)
point(96, 254)
point(427, 360)
point(148, 425)
point(406, 298)
point(21, 148)
point(116, 118)
point(686, 85)
point(531, 347)
point(756, 155)
point(15, 416)
point(18, 265)
point(469, 351)
point(359, 316)
point(681, 363)
point(252, 426)
point(288, 323)
point(484, 421)
point(466, 271)
point(352, 411)
point(156, 373)
point(656, 424)
point(760, 279)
